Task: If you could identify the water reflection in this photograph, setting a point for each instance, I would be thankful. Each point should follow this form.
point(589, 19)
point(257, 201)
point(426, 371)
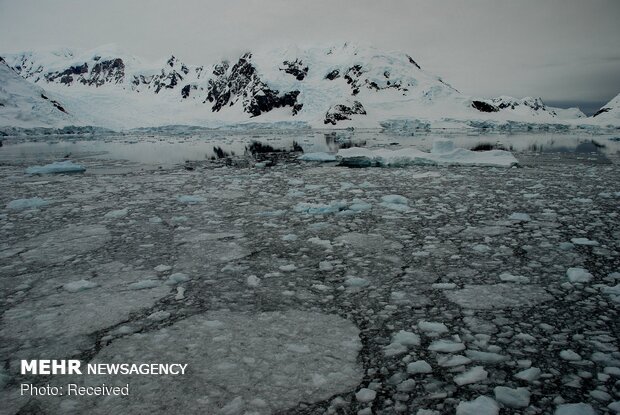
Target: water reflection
point(167, 150)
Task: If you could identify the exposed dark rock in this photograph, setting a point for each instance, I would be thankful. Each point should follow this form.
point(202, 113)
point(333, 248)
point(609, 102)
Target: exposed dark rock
point(333, 75)
point(109, 71)
point(487, 147)
point(242, 82)
point(601, 111)
point(484, 106)
point(413, 62)
point(296, 69)
point(342, 112)
point(185, 91)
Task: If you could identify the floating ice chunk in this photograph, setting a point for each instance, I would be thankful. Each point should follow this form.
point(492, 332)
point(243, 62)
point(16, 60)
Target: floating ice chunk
point(253, 281)
point(365, 395)
point(321, 287)
point(325, 243)
point(419, 366)
point(320, 208)
point(453, 360)
point(529, 375)
point(297, 348)
point(32, 203)
point(487, 357)
point(155, 220)
point(512, 398)
point(356, 282)
point(364, 157)
point(325, 266)
point(473, 375)
point(394, 349)
point(406, 386)
point(180, 293)
point(506, 277)
point(359, 206)
point(321, 157)
point(442, 146)
point(570, 355)
point(177, 278)
point(289, 237)
point(484, 297)
point(190, 199)
point(116, 214)
point(406, 338)
point(578, 275)
point(158, 315)
point(482, 405)
point(80, 285)
point(612, 370)
point(401, 342)
point(162, 268)
point(144, 284)
point(433, 327)
point(575, 409)
point(288, 268)
point(519, 217)
point(444, 286)
point(446, 346)
point(584, 241)
point(57, 167)
point(234, 407)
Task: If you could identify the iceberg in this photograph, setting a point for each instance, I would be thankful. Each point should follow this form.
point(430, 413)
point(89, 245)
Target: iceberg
point(443, 153)
point(57, 167)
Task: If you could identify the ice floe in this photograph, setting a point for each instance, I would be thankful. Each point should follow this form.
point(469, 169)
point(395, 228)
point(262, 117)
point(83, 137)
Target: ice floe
point(443, 153)
point(57, 167)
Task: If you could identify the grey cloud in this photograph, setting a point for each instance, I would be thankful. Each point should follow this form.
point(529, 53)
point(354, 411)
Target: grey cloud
point(562, 50)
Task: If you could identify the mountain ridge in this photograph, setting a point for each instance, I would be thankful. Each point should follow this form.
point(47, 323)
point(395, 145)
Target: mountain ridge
point(335, 87)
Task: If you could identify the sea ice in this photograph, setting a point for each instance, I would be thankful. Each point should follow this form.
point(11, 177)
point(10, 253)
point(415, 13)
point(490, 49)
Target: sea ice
point(578, 275)
point(419, 366)
point(365, 395)
point(575, 409)
point(584, 241)
point(190, 199)
point(482, 405)
point(432, 327)
point(80, 285)
point(365, 157)
point(473, 375)
point(529, 375)
point(268, 362)
point(484, 297)
point(446, 346)
point(512, 398)
point(57, 167)
point(32, 203)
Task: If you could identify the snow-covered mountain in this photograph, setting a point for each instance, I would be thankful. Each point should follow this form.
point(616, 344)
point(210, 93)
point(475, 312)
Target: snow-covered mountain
point(23, 104)
point(609, 112)
point(342, 86)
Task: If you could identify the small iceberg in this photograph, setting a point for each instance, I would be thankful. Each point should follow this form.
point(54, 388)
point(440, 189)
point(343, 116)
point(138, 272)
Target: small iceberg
point(21, 204)
point(443, 153)
point(57, 167)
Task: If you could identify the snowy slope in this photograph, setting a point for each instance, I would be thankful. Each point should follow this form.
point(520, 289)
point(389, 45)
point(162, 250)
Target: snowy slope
point(610, 112)
point(23, 104)
point(338, 86)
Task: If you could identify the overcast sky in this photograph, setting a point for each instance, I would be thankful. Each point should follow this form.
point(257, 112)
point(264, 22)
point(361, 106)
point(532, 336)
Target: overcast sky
point(566, 51)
